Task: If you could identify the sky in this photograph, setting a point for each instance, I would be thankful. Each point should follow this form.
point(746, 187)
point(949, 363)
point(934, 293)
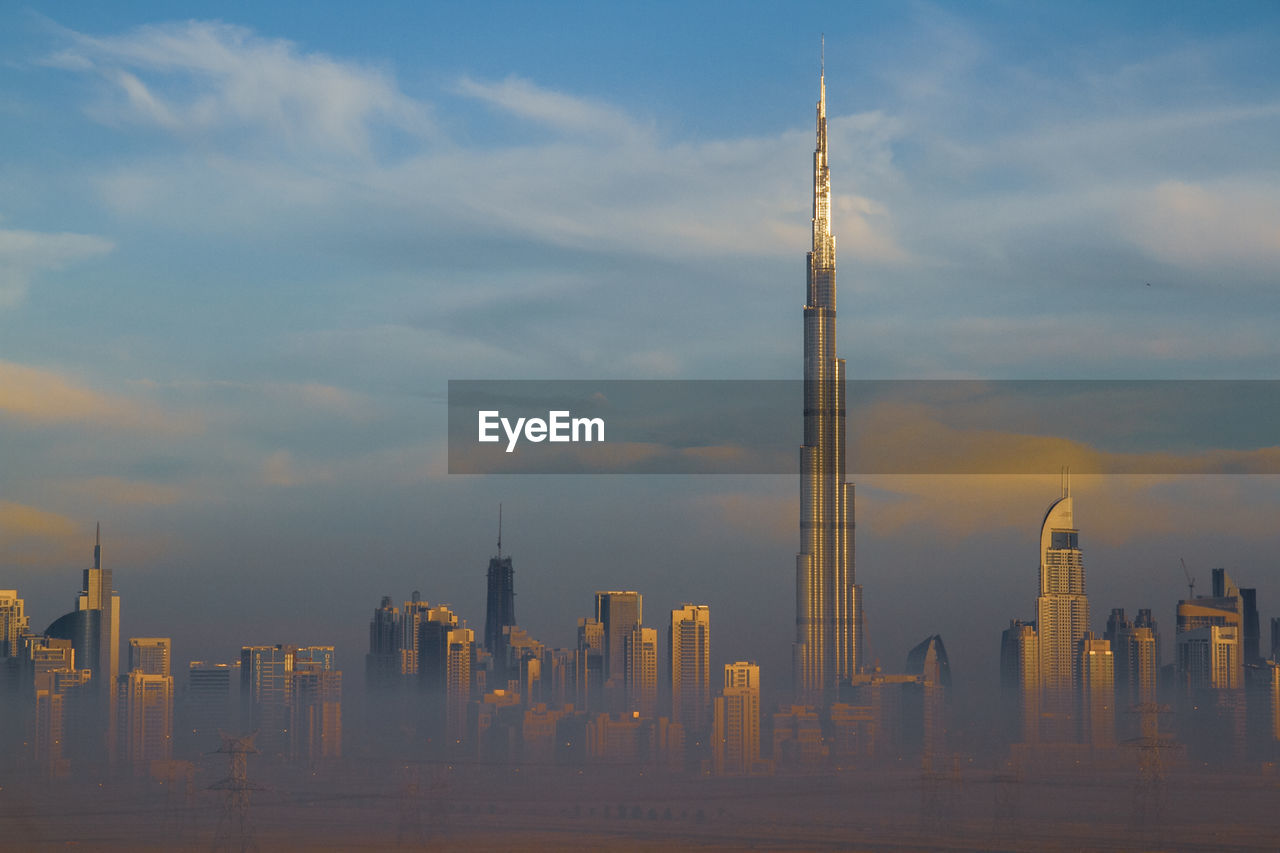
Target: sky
point(243, 248)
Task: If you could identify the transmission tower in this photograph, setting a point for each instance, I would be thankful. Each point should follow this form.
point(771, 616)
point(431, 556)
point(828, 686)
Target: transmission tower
point(1148, 792)
point(235, 833)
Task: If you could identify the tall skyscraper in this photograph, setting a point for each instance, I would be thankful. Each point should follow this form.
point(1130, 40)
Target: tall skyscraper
point(642, 671)
point(382, 665)
point(689, 644)
point(500, 612)
point(99, 595)
point(148, 716)
point(620, 612)
point(1062, 616)
point(1275, 637)
point(736, 720)
point(1020, 680)
point(1098, 693)
point(828, 603)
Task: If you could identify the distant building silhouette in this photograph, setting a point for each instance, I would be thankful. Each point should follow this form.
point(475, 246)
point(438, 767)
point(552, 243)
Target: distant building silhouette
point(642, 671)
point(689, 666)
point(1098, 692)
point(619, 612)
point(735, 740)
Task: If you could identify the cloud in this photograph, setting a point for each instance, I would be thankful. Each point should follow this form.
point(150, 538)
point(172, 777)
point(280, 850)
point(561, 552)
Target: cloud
point(33, 536)
point(25, 254)
point(558, 110)
point(1209, 226)
point(280, 470)
point(108, 491)
point(198, 77)
point(38, 397)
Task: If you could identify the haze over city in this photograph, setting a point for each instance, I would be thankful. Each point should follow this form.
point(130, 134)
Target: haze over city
point(242, 251)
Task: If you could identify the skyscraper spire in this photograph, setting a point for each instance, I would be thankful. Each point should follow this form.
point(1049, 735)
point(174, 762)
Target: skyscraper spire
point(499, 529)
point(828, 603)
point(97, 546)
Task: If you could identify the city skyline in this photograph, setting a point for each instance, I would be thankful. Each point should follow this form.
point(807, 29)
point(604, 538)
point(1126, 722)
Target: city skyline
point(289, 505)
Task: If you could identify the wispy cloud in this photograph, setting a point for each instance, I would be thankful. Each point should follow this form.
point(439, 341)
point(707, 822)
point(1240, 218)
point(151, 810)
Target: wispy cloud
point(40, 397)
point(25, 254)
point(198, 77)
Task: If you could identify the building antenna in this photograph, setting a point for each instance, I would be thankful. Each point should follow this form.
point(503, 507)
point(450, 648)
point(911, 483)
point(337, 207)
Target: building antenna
point(97, 546)
point(823, 55)
point(499, 529)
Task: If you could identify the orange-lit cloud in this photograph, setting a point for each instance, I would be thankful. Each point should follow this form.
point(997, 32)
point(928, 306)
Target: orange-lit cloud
point(39, 397)
point(36, 537)
point(118, 490)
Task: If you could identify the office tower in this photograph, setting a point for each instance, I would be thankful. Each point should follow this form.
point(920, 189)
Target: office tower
point(1097, 693)
point(1020, 679)
point(642, 671)
point(316, 719)
point(828, 615)
point(270, 698)
point(415, 613)
point(1250, 634)
point(207, 707)
point(1209, 657)
point(148, 716)
point(500, 609)
point(689, 645)
point(736, 720)
point(13, 623)
point(1062, 616)
point(925, 702)
point(589, 665)
point(1275, 637)
point(458, 681)
point(619, 612)
point(1117, 634)
point(99, 595)
point(382, 665)
point(149, 655)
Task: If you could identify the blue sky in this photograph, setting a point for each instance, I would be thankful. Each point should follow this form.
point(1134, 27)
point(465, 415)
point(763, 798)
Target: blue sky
point(242, 249)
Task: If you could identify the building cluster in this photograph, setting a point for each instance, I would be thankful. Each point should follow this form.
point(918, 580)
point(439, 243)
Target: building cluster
point(1067, 689)
point(65, 704)
point(611, 698)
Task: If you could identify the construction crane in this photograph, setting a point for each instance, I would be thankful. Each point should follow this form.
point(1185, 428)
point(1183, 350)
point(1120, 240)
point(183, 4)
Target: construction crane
point(1191, 582)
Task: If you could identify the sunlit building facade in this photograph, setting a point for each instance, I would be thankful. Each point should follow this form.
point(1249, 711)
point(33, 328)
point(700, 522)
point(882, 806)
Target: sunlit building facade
point(689, 647)
point(828, 602)
point(1062, 618)
point(1097, 691)
point(642, 671)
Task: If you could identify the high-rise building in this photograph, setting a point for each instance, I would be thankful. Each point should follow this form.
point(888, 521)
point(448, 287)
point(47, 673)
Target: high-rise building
point(1097, 693)
point(619, 612)
point(414, 614)
point(382, 665)
point(689, 645)
point(207, 705)
point(1209, 658)
point(1062, 617)
point(148, 716)
point(149, 655)
point(828, 602)
point(273, 705)
point(735, 735)
point(1020, 679)
point(1275, 638)
point(500, 610)
point(13, 623)
point(642, 671)
point(99, 595)
point(589, 665)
